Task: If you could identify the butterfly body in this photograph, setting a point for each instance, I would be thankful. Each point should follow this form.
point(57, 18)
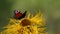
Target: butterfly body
point(19, 14)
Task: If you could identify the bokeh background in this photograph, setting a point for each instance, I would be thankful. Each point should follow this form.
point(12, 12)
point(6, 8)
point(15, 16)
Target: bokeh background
point(50, 8)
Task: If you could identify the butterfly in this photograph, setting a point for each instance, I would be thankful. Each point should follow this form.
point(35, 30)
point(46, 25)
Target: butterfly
point(19, 15)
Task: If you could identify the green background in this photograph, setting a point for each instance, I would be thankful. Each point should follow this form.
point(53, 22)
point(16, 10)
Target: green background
point(50, 8)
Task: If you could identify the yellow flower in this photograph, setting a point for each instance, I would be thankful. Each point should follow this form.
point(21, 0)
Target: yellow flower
point(28, 25)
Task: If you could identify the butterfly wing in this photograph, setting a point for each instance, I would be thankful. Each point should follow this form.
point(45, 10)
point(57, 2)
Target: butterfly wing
point(18, 15)
point(23, 15)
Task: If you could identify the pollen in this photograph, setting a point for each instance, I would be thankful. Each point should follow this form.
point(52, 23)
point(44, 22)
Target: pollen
point(25, 22)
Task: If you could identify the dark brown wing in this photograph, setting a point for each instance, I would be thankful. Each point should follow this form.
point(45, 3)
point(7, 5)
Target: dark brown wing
point(23, 15)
